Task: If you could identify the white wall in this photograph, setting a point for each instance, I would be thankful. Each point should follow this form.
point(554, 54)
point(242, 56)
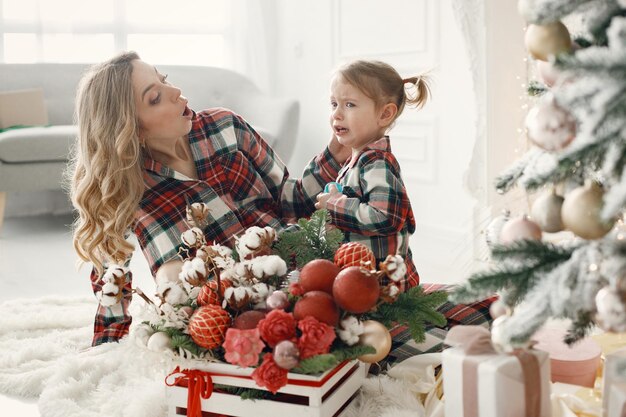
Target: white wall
point(315, 36)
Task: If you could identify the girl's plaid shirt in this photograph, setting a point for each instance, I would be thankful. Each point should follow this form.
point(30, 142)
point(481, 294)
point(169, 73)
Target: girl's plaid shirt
point(240, 178)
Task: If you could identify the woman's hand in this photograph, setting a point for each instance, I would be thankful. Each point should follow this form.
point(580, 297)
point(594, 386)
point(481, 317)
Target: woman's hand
point(339, 152)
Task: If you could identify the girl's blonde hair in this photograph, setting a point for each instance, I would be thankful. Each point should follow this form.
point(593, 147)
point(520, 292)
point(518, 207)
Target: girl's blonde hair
point(106, 181)
point(382, 83)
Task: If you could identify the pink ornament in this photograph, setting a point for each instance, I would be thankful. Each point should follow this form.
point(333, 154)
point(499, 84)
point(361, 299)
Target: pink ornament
point(547, 73)
point(277, 300)
point(549, 126)
point(286, 354)
point(520, 228)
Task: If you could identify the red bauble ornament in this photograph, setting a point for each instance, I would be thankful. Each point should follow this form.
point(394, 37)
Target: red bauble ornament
point(355, 290)
point(318, 275)
point(208, 325)
point(318, 304)
point(354, 254)
point(248, 319)
point(208, 292)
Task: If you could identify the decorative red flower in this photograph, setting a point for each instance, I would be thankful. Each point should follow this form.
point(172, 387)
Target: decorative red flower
point(270, 375)
point(296, 289)
point(277, 326)
point(243, 346)
point(316, 337)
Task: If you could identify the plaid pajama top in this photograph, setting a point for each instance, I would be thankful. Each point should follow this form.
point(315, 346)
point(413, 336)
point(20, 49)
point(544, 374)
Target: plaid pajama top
point(240, 178)
point(374, 208)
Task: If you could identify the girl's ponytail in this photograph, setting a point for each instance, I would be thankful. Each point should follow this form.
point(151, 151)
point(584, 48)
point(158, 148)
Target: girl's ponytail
point(422, 91)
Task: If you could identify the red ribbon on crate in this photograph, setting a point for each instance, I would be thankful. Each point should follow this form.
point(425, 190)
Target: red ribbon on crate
point(199, 386)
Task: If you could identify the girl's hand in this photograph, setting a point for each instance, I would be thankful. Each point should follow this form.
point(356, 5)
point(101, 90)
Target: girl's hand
point(322, 198)
point(339, 152)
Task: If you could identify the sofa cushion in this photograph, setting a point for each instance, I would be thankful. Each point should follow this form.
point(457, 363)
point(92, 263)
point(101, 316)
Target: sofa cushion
point(37, 144)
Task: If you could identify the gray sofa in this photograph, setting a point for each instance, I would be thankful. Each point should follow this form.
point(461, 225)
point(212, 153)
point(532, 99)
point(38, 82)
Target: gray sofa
point(33, 159)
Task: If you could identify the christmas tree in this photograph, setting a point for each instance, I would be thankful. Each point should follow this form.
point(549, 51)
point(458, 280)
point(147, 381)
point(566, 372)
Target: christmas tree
point(574, 172)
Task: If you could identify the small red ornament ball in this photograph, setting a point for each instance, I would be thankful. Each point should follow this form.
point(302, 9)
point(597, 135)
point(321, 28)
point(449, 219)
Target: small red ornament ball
point(208, 292)
point(355, 290)
point(208, 325)
point(354, 254)
point(318, 275)
point(318, 304)
point(248, 319)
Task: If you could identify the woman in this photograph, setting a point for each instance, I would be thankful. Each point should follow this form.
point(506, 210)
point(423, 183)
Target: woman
point(142, 153)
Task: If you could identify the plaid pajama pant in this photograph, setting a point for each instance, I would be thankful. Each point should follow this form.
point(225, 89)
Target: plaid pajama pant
point(403, 346)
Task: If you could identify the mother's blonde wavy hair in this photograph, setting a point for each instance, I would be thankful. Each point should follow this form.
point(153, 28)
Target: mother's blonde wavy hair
point(106, 181)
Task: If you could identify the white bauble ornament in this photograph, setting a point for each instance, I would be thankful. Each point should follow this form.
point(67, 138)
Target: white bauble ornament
point(547, 73)
point(581, 211)
point(546, 212)
point(160, 342)
point(549, 126)
point(494, 228)
point(498, 309)
point(520, 228)
point(550, 39)
point(611, 310)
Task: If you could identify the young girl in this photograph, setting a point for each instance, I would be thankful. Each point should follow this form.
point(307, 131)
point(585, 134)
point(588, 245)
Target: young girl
point(373, 207)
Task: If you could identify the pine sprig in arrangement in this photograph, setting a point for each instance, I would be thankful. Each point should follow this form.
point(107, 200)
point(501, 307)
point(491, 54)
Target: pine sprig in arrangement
point(414, 309)
point(315, 239)
point(531, 258)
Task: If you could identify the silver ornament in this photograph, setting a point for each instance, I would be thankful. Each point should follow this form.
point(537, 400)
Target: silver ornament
point(549, 126)
point(546, 212)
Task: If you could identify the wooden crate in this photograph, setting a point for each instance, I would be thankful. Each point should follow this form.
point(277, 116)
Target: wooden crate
point(325, 395)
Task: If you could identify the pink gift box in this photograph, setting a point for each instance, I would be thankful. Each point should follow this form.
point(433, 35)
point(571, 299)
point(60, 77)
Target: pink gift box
point(576, 365)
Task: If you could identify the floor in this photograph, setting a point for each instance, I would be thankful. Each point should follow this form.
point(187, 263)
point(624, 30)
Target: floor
point(37, 259)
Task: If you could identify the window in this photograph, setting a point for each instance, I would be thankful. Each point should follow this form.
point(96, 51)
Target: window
point(186, 32)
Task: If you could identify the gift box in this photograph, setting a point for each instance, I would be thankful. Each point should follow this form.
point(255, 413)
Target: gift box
point(617, 400)
point(478, 381)
point(614, 374)
point(193, 392)
point(577, 364)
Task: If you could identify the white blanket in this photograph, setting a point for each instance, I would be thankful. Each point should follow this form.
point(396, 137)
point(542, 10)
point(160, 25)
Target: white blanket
point(44, 353)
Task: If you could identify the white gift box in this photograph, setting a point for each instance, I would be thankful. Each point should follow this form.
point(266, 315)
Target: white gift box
point(614, 373)
point(499, 383)
point(617, 400)
point(305, 395)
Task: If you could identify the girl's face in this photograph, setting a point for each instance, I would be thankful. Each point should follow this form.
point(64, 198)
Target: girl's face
point(354, 117)
point(162, 110)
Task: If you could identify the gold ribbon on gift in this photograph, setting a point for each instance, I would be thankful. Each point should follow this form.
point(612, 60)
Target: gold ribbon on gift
point(476, 340)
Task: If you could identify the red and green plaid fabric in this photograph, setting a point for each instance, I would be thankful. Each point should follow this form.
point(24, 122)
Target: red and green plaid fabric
point(241, 179)
point(374, 208)
point(403, 346)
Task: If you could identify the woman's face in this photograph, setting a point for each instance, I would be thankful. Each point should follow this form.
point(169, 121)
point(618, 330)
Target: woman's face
point(162, 110)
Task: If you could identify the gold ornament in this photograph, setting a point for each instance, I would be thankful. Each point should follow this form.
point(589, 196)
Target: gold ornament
point(581, 212)
point(375, 335)
point(546, 212)
point(542, 41)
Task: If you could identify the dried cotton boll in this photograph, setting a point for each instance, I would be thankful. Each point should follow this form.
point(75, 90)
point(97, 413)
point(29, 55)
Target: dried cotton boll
point(550, 39)
point(193, 238)
point(194, 272)
point(394, 267)
point(349, 330)
point(520, 228)
point(197, 214)
point(546, 212)
point(172, 293)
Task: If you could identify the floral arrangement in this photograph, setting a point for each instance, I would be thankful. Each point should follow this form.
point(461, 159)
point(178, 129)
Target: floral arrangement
point(298, 301)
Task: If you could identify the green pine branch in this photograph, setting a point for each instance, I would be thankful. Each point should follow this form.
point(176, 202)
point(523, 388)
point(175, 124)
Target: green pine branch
point(316, 364)
point(518, 279)
point(414, 309)
point(536, 89)
point(580, 327)
point(315, 239)
point(245, 393)
point(348, 353)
